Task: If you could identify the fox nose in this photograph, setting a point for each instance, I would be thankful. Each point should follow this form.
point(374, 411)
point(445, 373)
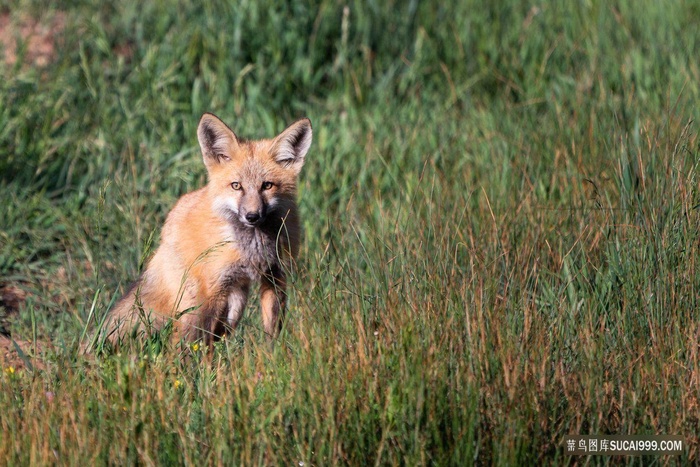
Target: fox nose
point(252, 217)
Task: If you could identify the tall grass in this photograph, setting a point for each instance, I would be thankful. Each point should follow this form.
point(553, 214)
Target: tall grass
point(501, 230)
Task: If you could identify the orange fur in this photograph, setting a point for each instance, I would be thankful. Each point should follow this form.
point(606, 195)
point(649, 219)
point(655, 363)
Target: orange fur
point(240, 228)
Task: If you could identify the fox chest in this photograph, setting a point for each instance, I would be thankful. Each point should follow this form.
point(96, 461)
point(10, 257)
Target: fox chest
point(251, 255)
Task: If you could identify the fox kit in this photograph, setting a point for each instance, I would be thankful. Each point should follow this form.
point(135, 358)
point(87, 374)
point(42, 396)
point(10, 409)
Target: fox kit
point(242, 227)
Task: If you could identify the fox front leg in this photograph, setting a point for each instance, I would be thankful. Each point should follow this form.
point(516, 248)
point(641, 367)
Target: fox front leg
point(215, 317)
point(236, 303)
point(273, 298)
point(227, 313)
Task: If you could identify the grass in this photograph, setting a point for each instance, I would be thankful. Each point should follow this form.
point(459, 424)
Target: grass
point(501, 230)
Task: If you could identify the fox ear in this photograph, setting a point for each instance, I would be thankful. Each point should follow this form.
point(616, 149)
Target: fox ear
point(215, 139)
point(290, 147)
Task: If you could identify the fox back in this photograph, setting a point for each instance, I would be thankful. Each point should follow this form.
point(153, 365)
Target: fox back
point(241, 228)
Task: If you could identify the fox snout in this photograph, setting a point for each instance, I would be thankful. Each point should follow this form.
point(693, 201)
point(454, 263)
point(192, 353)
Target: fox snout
point(252, 212)
point(254, 217)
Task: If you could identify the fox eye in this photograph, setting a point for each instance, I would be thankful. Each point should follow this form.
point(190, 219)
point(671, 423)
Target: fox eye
point(267, 185)
point(236, 186)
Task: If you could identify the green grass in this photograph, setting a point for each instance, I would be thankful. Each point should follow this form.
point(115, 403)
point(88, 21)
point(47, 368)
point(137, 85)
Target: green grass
point(501, 215)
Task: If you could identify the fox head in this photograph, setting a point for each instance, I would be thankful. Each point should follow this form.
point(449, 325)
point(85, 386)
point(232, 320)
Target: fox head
point(251, 181)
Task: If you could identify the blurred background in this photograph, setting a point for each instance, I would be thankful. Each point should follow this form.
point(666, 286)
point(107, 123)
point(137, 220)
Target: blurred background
point(500, 213)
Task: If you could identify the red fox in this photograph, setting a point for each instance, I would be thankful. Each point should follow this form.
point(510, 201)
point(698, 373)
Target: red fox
point(242, 227)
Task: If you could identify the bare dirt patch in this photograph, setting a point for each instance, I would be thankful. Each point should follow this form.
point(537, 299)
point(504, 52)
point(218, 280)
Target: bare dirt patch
point(12, 360)
point(39, 36)
point(11, 298)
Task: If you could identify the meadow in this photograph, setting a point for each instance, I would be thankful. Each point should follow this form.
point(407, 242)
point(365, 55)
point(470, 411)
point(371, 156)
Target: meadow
point(500, 209)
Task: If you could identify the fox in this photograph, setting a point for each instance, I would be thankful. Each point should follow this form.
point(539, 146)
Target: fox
point(241, 228)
